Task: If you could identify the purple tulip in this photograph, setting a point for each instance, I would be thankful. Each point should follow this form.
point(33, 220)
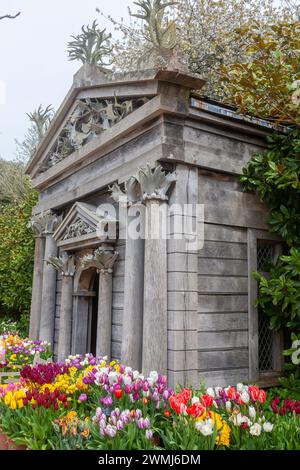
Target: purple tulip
point(140, 423)
point(146, 423)
point(149, 434)
point(83, 397)
point(110, 431)
point(120, 425)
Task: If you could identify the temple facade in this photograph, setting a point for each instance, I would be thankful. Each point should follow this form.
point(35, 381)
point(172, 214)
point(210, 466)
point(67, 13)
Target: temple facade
point(126, 156)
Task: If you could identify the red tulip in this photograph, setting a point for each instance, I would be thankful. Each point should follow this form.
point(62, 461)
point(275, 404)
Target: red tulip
point(118, 393)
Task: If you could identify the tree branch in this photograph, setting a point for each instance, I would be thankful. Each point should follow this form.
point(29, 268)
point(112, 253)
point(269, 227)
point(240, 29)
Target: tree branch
point(10, 17)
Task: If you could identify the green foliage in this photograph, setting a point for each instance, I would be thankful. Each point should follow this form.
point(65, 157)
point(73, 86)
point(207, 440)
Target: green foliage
point(267, 81)
point(92, 46)
point(14, 185)
point(8, 325)
point(30, 427)
point(274, 175)
point(40, 120)
point(205, 33)
point(16, 254)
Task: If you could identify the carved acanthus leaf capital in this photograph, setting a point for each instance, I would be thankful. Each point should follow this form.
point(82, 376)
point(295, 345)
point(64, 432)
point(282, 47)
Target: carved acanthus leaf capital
point(129, 195)
point(64, 264)
point(44, 223)
point(154, 182)
point(102, 259)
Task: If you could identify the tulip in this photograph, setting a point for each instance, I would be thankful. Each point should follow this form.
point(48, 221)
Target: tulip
point(82, 398)
point(149, 434)
point(146, 423)
point(140, 423)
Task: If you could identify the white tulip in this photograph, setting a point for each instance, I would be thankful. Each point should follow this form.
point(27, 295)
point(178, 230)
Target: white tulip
point(228, 406)
point(245, 397)
point(195, 400)
point(207, 429)
point(252, 412)
point(255, 429)
point(210, 391)
point(268, 427)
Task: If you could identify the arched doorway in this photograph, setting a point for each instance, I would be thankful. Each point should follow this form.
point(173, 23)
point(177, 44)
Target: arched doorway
point(93, 317)
point(85, 314)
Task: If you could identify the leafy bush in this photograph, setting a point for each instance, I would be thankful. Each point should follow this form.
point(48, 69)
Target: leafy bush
point(275, 176)
point(16, 254)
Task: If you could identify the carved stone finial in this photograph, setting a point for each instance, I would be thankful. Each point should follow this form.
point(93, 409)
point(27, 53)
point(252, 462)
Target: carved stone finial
point(154, 182)
point(102, 259)
point(44, 223)
point(131, 193)
point(64, 264)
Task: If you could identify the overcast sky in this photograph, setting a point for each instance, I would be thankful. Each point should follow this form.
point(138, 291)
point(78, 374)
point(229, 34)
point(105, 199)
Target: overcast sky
point(34, 66)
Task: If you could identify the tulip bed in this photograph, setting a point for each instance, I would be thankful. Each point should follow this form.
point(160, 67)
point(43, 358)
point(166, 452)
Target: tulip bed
point(90, 403)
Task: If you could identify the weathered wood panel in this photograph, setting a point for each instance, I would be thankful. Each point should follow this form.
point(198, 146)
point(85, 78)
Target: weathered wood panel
point(182, 262)
point(179, 281)
point(117, 315)
point(225, 203)
point(116, 333)
point(217, 152)
point(228, 267)
point(182, 320)
point(222, 321)
point(116, 350)
point(214, 360)
point(218, 284)
point(224, 233)
point(223, 303)
point(223, 250)
point(182, 340)
point(118, 300)
point(222, 340)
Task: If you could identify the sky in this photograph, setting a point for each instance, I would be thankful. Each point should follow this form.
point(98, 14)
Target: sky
point(34, 66)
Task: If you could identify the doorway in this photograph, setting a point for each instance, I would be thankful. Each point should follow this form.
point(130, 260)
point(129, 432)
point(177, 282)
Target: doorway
point(93, 320)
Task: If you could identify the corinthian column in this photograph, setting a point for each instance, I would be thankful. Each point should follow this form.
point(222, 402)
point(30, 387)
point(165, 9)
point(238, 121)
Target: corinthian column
point(154, 185)
point(37, 223)
point(66, 267)
point(132, 331)
point(49, 280)
point(104, 260)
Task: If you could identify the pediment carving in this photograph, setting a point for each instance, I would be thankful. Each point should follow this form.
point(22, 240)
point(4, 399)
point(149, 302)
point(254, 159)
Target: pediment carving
point(91, 117)
point(82, 227)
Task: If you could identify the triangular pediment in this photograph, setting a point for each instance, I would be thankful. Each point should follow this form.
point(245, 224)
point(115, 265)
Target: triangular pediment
point(98, 101)
point(90, 117)
point(80, 227)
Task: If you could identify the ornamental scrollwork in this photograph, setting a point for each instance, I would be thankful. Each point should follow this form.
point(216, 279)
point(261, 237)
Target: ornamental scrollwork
point(77, 229)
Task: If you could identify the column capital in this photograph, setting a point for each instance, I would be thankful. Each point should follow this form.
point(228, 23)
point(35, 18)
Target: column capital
point(44, 223)
point(154, 182)
point(131, 193)
point(149, 183)
point(64, 264)
point(103, 259)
